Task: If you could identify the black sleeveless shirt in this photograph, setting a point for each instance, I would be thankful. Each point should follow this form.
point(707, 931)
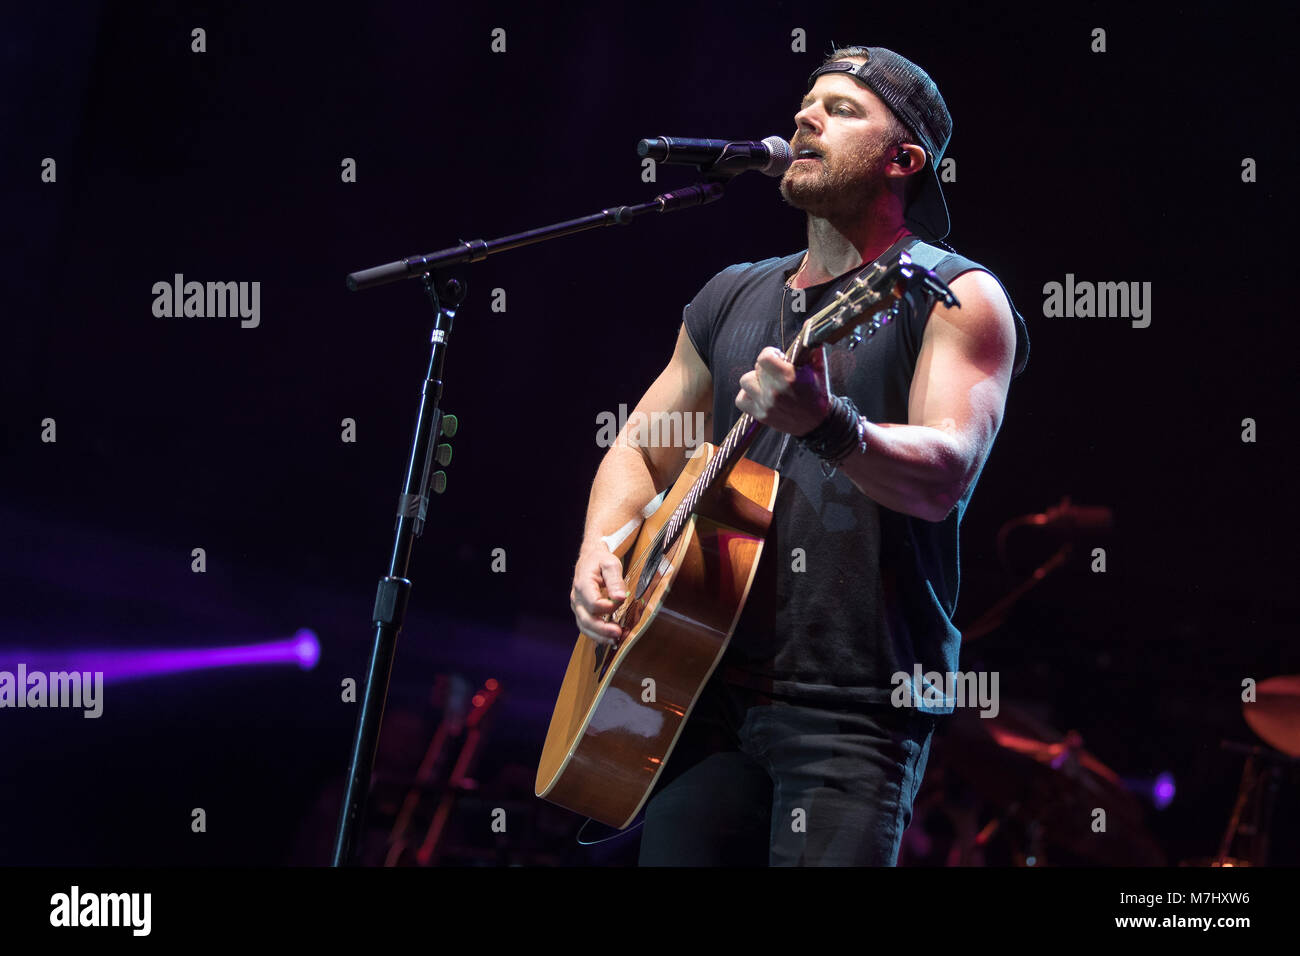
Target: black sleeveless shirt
point(848, 593)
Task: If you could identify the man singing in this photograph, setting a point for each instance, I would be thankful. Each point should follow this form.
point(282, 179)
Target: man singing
point(809, 742)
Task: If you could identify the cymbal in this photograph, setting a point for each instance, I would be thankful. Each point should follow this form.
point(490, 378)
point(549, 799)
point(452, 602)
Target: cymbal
point(1275, 713)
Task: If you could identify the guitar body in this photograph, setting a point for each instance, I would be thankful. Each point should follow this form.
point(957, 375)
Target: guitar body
point(607, 743)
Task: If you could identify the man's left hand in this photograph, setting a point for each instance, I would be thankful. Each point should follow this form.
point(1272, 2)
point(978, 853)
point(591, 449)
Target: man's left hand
point(785, 397)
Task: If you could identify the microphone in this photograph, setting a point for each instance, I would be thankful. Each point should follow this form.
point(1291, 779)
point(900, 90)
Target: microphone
point(1072, 517)
point(771, 156)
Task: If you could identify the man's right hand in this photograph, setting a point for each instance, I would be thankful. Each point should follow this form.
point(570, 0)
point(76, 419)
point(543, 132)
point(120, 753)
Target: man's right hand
point(633, 471)
point(597, 592)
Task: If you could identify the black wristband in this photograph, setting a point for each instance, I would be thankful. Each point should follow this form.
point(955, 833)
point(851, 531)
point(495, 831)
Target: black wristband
point(838, 435)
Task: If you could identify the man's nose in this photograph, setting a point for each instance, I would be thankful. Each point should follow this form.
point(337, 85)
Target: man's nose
point(806, 119)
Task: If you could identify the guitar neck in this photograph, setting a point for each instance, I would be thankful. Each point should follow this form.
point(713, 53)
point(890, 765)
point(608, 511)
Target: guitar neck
point(728, 453)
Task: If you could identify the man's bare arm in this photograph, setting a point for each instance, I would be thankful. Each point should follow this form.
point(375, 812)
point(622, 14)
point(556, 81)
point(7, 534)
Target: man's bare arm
point(629, 477)
point(958, 395)
point(959, 389)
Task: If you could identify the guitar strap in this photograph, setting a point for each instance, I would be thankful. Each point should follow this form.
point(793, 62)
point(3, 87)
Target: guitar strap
point(927, 256)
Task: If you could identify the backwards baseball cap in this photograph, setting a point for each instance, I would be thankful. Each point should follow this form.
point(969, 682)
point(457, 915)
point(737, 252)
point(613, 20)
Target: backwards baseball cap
point(914, 99)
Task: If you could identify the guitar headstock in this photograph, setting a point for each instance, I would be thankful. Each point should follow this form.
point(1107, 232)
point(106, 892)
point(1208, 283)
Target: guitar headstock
point(871, 301)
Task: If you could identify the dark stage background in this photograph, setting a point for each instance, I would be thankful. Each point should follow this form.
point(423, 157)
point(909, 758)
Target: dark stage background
point(175, 434)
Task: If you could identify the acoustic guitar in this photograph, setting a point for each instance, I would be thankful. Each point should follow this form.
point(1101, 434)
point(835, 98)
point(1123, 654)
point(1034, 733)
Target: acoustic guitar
point(621, 709)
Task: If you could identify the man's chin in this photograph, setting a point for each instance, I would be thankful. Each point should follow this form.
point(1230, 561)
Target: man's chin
point(825, 200)
point(796, 194)
point(812, 201)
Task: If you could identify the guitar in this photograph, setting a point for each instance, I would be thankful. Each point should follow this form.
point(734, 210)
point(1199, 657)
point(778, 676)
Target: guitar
point(621, 709)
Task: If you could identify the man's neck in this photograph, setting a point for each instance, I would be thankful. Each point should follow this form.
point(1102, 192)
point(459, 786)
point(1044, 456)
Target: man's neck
point(835, 248)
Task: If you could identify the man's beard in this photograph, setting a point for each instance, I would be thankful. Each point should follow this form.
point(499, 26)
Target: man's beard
point(844, 188)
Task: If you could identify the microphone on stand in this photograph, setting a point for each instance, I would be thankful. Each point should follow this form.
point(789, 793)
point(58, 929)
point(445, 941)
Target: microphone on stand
point(771, 156)
point(1072, 522)
point(1072, 517)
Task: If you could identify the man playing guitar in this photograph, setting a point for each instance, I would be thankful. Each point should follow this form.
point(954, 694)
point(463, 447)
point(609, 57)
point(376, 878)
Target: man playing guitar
point(798, 751)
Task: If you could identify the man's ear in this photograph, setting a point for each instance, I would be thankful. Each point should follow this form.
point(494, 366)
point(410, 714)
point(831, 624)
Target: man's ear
point(909, 158)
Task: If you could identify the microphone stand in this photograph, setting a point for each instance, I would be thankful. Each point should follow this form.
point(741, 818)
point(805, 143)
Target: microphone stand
point(446, 290)
point(1072, 518)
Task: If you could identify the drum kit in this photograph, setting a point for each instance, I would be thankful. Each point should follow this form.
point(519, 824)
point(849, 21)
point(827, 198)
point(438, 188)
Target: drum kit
point(1011, 790)
point(1016, 792)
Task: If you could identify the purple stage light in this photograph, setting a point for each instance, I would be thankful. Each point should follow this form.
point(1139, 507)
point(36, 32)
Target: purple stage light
point(1159, 790)
point(1163, 793)
point(302, 649)
point(308, 648)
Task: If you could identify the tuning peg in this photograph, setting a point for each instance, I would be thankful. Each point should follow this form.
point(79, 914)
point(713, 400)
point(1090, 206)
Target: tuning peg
point(443, 454)
point(449, 425)
point(439, 482)
point(856, 338)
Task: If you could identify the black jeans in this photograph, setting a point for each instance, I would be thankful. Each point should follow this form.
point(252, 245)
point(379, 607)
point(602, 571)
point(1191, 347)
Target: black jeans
point(756, 780)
